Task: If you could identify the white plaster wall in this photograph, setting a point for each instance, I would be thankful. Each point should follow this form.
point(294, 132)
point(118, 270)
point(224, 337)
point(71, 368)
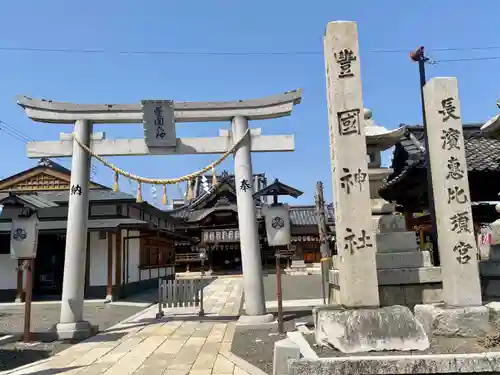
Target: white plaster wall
point(133, 256)
point(134, 273)
point(98, 260)
point(8, 274)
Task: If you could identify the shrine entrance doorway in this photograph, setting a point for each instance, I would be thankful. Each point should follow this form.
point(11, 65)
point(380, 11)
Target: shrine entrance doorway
point(49, 266)
point(224, 250)
point(225, 258)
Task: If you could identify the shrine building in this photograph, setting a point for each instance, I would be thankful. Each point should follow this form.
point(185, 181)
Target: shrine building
point(128, 243)
point(407, 184)
point(211, 217)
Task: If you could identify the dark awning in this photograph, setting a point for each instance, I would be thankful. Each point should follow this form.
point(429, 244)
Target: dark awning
point(278, 188)
point(32, 201)
point(93, 225)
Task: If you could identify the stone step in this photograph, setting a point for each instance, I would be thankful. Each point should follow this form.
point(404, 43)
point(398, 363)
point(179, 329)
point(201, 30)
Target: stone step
point(400, 276)
point(405, 259)
point(396, 242)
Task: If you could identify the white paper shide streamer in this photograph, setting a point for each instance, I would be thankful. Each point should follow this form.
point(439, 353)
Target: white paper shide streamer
point(277, 220)
point(24, 237)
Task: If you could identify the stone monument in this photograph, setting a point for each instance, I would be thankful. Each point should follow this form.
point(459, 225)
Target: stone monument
point(405, 273)
point(462, 313)
point(358, 323)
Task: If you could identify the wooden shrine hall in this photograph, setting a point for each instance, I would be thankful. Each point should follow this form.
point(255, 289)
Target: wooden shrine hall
point(211, 217)
point(407, 185)
point(129, 243)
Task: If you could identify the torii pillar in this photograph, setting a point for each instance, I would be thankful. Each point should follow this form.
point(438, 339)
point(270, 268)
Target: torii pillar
point(84, 116)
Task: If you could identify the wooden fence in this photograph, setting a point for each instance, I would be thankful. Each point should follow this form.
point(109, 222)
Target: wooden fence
point(179, 293)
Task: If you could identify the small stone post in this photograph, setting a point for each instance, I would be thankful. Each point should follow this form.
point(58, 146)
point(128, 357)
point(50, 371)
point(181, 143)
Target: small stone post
point(355, 238)
point(456, 241)
point(250, 249)
point(72, 325)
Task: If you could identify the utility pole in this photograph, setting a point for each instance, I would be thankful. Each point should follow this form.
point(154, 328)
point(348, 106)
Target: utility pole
point(419, 56)
point(323, 238)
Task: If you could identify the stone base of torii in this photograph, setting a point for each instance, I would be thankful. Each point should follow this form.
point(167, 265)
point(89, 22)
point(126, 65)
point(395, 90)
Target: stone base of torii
point(159, 119)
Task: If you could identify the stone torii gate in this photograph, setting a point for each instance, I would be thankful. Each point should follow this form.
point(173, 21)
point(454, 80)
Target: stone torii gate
point(159, 139)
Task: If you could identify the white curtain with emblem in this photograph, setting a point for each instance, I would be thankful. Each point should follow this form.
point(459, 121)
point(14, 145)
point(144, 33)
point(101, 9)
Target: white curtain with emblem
point(277, 220)
point(24, 237)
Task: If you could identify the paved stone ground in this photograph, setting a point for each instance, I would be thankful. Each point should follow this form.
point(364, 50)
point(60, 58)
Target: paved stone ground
point(293, 287)
point(257, 346)
point(179, 344)
point(44, 316)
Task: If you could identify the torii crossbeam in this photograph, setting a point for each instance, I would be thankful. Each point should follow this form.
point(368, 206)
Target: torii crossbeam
point(159, 118)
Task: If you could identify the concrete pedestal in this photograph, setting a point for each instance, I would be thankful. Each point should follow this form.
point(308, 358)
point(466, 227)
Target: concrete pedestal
point(265, 321)
point(75, 331)
point(446, 364)
point(297, 268)
point(284, 350)
point(371, 329)
point(441, 320)
point(405, 274)
point(400, 286)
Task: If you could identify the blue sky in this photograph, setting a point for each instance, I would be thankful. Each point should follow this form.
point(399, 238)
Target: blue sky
point(390, 80)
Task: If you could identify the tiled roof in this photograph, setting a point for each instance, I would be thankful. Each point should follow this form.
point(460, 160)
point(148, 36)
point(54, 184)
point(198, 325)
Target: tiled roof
point(48, 163)
point(306, 215)
point(482, 152)
point(482, 155)
point(299, 215)
point(200, 188)
point(33, 200)
point(94, 195)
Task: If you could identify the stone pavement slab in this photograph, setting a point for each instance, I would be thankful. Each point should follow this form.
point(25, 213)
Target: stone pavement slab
point(293, 287)
point(45, 315)
point(180, 343)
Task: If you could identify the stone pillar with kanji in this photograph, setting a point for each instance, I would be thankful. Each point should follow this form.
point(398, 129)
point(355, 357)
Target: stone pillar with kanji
point(462, 313)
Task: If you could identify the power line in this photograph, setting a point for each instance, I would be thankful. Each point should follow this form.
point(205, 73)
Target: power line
point(146, 52)
point(440, 49)
point(224, 53)
point(468, 59)
point(15, 133)
point(23, 137)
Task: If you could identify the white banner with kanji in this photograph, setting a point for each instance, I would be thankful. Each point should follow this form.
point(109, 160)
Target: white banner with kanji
point(277, 220)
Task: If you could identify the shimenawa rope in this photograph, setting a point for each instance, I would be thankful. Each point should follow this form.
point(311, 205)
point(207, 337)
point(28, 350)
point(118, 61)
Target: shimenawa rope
point(157, 181)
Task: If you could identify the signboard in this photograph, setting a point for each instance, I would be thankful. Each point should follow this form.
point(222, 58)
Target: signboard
point(221, 236)
point(277, 221)
point(284, 253)
point(24, 237)
point(159, 123)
